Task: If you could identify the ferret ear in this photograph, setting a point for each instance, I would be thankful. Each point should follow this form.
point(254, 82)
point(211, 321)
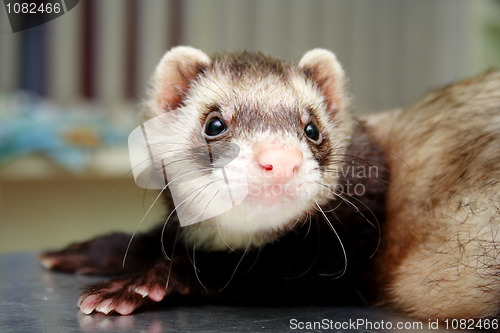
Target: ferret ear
point(323, 68)
point(173, 75)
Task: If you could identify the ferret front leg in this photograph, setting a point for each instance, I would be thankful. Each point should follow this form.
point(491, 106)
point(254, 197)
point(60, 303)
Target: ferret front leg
point(126, 294)
point(103, 255)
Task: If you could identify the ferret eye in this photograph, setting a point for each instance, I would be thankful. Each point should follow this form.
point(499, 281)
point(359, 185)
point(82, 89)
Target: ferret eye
point(312, 132)
point(214, 127)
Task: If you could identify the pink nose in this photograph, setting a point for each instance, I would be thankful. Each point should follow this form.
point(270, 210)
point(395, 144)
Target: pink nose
point(280, 164)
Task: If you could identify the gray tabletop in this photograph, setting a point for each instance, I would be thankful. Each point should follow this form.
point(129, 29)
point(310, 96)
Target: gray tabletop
point(35, 300)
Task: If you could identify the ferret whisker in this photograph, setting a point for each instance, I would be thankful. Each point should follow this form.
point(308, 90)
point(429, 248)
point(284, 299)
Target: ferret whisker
point(172, 212)
point(335, 208)
point(368, 208)
point(187, 174)
point(344, 270)
point(195, 268)
point(223, 240)
point(152, 176)
point(176, 161)
point(218, 227)
point(163, 251)
point(308, 217)
point(139, 225)
point(338, 196)
point(172, 260)
point(236, 268)
point(367, 220)
point(199, 190)
point(337, 173)
point(297, 222)
point(377, 226)
point(255, 260)
point(356, 207)
point(369, 162)
point(152, 157)
point(357, 210)
point(164, 227)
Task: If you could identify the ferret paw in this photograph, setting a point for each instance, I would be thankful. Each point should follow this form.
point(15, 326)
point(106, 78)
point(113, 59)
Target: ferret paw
point(100, 256)
point(125, 295)
point(120, 296)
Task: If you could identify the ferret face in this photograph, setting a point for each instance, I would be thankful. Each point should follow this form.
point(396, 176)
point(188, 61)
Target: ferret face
point(249, 145)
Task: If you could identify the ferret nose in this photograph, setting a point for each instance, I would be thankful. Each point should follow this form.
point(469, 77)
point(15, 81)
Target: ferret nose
point(280, 163)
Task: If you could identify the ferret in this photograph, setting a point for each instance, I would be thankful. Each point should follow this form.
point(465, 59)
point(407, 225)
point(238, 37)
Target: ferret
point(276, 194)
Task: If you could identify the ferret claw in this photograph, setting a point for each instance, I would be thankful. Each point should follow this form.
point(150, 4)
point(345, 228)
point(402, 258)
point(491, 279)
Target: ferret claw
point(156, 293)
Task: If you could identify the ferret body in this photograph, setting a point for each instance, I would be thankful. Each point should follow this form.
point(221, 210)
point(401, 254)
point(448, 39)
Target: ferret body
point(315, 206)
point(440, 254)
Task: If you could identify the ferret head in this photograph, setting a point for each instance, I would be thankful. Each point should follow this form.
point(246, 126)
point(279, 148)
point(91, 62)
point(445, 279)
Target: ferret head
point(249, 145)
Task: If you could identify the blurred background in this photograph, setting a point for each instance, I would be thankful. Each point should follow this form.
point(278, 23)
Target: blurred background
point(70, 88)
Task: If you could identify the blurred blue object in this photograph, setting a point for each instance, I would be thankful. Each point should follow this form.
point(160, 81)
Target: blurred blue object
point(29, 124)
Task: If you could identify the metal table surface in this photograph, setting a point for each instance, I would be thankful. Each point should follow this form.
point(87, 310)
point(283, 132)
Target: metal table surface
point(33, 299)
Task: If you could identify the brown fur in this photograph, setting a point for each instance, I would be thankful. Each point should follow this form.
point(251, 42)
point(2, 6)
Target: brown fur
point(440, 254)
